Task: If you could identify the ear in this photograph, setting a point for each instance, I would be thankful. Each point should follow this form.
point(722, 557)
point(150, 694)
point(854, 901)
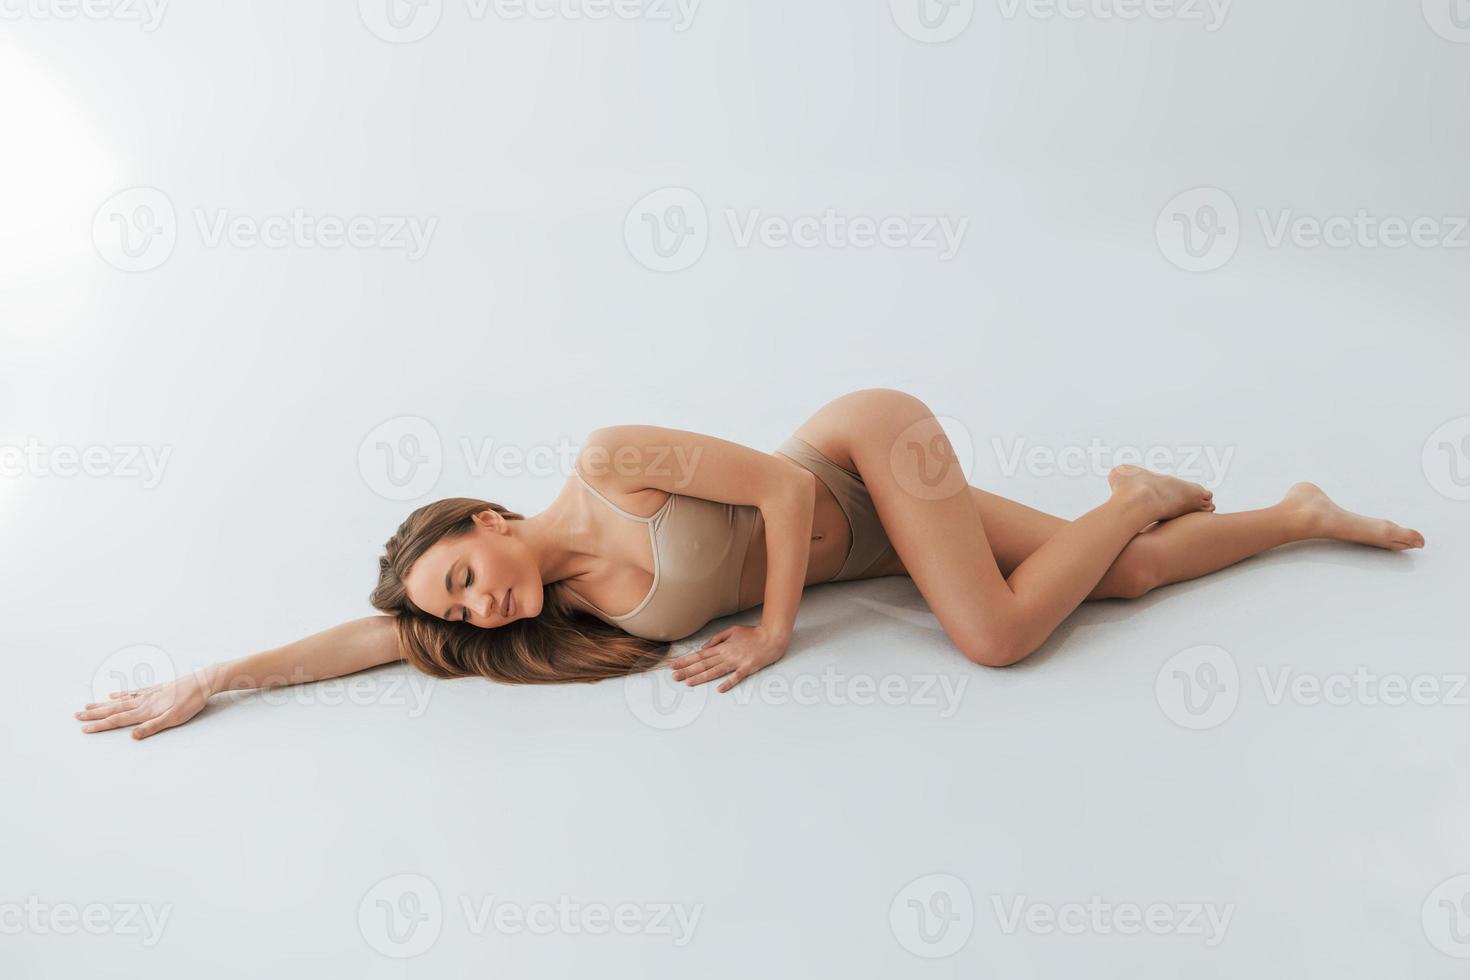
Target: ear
point(491, 521)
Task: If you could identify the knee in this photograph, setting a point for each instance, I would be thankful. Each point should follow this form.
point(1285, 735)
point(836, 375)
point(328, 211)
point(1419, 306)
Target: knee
point(1137, 572)
point(992, 649)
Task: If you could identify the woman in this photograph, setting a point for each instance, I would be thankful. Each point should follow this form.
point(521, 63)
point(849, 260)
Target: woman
point(679, 528)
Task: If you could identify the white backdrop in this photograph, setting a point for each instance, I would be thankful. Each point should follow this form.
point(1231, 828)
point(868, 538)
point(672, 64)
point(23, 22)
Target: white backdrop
point(274, 274)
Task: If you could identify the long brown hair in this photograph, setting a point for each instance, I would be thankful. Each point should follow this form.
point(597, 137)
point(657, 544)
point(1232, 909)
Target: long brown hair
point(562, 644)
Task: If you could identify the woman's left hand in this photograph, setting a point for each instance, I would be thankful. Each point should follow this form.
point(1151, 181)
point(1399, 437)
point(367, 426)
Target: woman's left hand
point(738, 652)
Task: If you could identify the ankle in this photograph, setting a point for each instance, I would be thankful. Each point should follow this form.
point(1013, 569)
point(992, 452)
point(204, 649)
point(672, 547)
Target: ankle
point(1140, 502)
point(1301, 521)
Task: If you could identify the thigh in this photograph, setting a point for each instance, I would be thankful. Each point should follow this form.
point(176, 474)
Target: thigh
point(1012, 529)
point(929, 512)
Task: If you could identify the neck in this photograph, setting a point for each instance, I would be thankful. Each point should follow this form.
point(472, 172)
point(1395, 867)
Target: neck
point(562, 538)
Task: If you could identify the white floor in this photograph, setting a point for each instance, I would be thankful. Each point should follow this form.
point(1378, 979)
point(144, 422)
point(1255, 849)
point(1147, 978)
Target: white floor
point(1260, 774)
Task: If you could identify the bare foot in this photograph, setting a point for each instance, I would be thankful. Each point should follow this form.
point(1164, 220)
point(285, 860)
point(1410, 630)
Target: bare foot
point(1169, 496)
point(1324, 519)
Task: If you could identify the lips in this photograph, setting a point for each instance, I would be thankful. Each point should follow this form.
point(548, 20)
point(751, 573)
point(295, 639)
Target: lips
point(508, 604)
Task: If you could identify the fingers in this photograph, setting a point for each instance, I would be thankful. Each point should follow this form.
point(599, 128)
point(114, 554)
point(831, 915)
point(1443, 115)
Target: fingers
point(118, 720)
point(105, 708)
point(153, 725)
point(719, 658)
point(688, 660)
point(697, 661)
point(693, 658)
point(714, 671)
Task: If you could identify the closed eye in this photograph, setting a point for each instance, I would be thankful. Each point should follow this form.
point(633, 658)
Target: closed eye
point(469, 576)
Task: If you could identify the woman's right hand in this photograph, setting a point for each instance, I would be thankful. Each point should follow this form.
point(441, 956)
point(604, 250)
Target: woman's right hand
point(149, 709)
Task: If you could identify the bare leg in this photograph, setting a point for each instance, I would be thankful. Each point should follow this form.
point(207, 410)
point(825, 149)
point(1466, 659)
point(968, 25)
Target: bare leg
point(999, 603)
point(893, 441)
point(1194, 544)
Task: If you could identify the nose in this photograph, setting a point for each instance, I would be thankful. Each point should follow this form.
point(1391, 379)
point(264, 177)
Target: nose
point(483, 604)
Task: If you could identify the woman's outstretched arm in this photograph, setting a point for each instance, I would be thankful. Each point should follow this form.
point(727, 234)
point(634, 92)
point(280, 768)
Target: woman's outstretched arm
point(344, 649)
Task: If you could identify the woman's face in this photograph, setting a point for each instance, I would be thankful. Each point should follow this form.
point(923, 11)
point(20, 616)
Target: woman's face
point(472, 577)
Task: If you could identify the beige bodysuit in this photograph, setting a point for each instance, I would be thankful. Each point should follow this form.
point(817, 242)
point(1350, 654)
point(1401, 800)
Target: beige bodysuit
point(699, 549)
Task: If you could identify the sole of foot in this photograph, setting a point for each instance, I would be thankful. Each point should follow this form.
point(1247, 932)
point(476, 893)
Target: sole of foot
point(1170, 496)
